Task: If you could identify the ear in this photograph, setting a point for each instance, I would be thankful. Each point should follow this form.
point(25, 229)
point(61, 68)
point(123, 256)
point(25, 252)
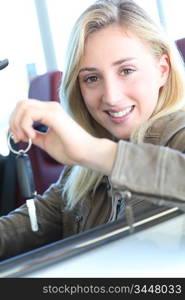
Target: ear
point(164, 67)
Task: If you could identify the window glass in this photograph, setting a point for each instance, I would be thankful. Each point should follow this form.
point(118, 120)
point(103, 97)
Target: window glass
point(174, 18)
point(21, 44)
point(62, 18)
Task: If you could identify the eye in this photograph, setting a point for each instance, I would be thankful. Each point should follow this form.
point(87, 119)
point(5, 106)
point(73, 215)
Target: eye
point(127, 71)
point(91, 79)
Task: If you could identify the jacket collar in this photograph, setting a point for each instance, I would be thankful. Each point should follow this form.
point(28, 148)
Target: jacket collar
point(164, 128)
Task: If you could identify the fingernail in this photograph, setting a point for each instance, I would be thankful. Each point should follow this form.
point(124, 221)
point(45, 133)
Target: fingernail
point(13, 138)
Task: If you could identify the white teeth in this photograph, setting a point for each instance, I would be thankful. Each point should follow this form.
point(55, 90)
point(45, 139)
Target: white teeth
point(121, 113)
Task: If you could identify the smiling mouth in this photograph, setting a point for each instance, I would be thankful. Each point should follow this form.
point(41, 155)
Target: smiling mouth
point(121, 113)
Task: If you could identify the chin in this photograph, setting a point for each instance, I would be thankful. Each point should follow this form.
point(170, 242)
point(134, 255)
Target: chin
point(121, 136)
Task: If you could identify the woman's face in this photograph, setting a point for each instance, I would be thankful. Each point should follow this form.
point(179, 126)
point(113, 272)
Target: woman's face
point(120, 80)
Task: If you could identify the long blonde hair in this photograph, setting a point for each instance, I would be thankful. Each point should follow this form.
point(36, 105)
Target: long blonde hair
point(133, 18)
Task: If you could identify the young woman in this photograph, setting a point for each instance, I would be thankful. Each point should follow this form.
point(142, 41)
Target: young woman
point(123, 137)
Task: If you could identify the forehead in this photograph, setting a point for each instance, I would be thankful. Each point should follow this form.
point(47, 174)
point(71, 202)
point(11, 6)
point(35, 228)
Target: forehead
point(112, 42)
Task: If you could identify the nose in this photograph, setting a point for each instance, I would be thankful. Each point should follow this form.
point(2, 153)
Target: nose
point(113, 91)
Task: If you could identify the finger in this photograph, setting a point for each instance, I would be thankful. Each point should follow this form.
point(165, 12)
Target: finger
point(22, 118)
point(15, 121)
point(26, 126)
point(39, 139)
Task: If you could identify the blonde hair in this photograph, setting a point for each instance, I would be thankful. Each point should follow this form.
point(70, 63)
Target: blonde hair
point(133, 18)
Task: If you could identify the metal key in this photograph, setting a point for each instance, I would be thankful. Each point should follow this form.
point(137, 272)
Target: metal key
point(4, 63)
point(26, 181)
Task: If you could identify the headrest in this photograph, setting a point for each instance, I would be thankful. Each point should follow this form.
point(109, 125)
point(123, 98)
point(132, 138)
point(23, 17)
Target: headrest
point(181, 47)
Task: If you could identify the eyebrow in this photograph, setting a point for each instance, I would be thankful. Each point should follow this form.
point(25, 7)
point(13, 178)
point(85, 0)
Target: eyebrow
point(118, 62)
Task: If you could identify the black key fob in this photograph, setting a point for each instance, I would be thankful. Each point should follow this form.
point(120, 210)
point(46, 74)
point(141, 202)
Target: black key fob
point(25, 176)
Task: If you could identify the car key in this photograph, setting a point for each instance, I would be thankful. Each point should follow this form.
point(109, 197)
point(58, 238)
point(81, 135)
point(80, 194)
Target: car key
point(26, 182)
point(27, 185)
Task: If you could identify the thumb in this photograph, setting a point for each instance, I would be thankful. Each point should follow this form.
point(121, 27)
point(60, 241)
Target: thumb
point(39, 139)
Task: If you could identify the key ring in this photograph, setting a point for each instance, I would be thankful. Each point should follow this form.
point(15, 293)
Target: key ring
point(10, 136)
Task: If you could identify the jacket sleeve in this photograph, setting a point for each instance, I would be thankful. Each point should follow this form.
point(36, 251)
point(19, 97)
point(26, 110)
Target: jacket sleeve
point(16, 235)
point(154, 172)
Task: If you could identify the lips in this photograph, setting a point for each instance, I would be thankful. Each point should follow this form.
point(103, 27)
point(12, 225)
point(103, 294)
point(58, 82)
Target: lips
point(121, 113)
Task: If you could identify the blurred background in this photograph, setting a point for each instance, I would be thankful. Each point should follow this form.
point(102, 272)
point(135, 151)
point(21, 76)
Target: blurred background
point(34, 35)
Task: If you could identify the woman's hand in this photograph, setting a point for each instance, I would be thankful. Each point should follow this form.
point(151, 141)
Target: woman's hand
point(65, 140)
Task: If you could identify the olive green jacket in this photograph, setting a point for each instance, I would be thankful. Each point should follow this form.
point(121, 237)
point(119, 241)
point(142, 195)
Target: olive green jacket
point(143, 176)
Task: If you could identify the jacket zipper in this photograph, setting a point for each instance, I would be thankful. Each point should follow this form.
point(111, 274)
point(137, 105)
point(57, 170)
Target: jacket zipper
point(126, 196)
point(78, 220)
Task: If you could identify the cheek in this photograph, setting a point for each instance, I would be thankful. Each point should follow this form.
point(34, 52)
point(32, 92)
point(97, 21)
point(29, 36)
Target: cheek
point(145, 94)
point(85, 96)
point(91, 99)
point(146, 89)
